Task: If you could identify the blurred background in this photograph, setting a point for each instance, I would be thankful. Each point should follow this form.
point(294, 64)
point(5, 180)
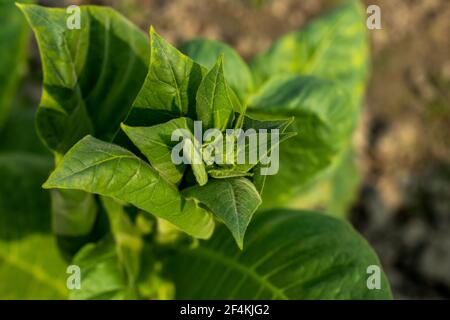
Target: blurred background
point(403, 141)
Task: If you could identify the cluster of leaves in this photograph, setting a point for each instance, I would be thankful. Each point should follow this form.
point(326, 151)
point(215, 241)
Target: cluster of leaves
point(110, 102)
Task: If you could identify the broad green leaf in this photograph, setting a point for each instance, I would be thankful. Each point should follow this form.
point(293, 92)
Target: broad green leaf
point(288, 255)
point(214, 105)
point(91, 75)
point(156, 144)
point(233, 201)
point(127, 237)
point(334, 191)
point(13, 45)
point(106, 169)
point(334, 47)
point(102, 277)
point(30, 264)
point(237, 73)
point(323, 120)
point(171, 84)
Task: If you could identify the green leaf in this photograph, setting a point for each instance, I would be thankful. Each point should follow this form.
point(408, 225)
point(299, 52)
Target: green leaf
point(272, 124)
point(335, 190)
point(270, 146)
point(323, 120)
point(206, 52)
point(109, 170)
point(156, 144)
point(73, 212)
point(30, 264)
point(334, 47)
point(225, 173)
point(193, 151)
point(76, 220)
point(214, 106)
point(101, 275)
point(171, 84)
point(288, 255)
point(13, 45)
point(251, 147)
point(103, 278)
point(259, 179)
point(233, 201)
point(91, 75)
point(127, 237)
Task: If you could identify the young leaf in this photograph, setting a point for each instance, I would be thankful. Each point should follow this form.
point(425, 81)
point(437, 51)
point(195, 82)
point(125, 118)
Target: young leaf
point(156, 144)
point(324, 120)
point(91, 74)
point(334, 47)
point(225, 173)
point(30, 264)
point(214, 106)
point(172, 81)
point(248, 151)
point(288, 255)
point(237, 73)
point(193, 153)
point(248, 148)
point(109, 170)
point(233, 201)
point(13, 45)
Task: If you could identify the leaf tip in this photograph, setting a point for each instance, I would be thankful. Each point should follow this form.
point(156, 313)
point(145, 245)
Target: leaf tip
point(47, 185)
point(153, 34)
point(220, 59)
point(124, 127)
point(240, 243)
point(202, 179)
point(22, 6)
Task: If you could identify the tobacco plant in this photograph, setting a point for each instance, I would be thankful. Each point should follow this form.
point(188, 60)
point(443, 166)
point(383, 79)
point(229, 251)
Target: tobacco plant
point(139, 226)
